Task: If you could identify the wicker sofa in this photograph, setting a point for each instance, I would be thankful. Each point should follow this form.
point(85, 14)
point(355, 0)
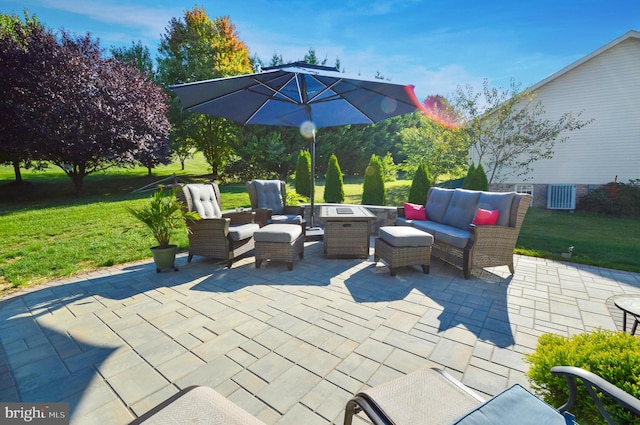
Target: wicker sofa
point(449, 217)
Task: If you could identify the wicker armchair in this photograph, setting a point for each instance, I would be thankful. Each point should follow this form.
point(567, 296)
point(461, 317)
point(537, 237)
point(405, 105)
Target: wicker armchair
point(216, 235)
point(269, 201)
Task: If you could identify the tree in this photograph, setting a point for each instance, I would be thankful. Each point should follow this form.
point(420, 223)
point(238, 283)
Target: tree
point(85, 113)
point(420, 186)
point(303, 173)
point(508, 130)
point(334, 185)
point(197, 48)
point(15, 36)
point(137, 55)
point(373, 190)
point(444, 149)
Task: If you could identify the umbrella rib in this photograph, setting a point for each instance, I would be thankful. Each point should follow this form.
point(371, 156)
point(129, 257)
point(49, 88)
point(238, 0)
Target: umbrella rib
point(274, 92)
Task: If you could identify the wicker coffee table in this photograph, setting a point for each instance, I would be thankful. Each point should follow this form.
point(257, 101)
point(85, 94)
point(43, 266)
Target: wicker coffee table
point(346, 231)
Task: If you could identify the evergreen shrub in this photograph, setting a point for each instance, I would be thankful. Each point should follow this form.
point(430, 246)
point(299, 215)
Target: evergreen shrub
point(334, 185)
point(373, 190)
point(480, 179)
point(303, 173)
point(466, 183)
point(614, 356)
point(420, 186)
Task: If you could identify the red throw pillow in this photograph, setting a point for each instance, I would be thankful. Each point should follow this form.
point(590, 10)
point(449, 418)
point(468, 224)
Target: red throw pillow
point(486, 217)
point(414, 212)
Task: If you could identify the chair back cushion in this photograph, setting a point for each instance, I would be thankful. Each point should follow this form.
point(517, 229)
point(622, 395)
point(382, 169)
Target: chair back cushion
point(269, 195)
point(203, 200)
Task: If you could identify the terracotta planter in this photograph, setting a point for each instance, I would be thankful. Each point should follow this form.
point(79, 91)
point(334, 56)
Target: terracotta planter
point(165, 257)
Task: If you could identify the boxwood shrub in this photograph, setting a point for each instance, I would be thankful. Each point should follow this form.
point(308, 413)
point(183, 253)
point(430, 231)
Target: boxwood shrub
point(614, 356)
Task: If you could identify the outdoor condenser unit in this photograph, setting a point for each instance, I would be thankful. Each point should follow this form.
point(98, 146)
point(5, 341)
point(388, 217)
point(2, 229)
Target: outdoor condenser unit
point(561, 197)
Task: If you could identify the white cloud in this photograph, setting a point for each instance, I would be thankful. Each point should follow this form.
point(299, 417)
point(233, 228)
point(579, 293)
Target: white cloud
point(149, 21)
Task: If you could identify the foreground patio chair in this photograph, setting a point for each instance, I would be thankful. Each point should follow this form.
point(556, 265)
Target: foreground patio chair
point(431, 396)
point(197, 405)
point(216, 235)
point(269, 201)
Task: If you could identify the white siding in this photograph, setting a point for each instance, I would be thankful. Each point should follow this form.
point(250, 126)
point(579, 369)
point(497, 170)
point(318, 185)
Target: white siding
point(606, 88)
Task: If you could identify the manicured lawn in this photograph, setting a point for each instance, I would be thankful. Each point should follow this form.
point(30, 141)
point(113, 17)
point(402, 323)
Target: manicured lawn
point(49, 233)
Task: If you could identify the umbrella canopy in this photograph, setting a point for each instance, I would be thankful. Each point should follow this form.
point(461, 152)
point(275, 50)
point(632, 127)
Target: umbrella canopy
point(299, 95)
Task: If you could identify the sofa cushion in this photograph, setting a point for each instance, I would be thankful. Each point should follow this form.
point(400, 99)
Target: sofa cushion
point(437, 203)
point(444, 233)
point(500, 201)
point(203, 200)
point(515, 405)
point(242, 231)
point(414, 211)
point(269, 195)
point(462, 208)
point(486, 217)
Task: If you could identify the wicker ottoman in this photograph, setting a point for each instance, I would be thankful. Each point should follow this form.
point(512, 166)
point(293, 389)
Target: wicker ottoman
point(403, 246)
point(280, 242)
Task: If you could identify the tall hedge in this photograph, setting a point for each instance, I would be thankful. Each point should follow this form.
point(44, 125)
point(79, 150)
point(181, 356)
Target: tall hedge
point(303, 173)
point(373, 190)
point(420, 186)
point(334, 185)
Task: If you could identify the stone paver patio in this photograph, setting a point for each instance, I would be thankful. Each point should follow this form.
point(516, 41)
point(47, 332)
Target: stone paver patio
point(290, 347)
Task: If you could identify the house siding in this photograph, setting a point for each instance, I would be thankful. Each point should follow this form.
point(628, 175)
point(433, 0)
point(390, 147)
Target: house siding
point(606, 87)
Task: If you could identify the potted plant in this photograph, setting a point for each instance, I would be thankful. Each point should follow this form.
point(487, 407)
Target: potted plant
point(162, 214)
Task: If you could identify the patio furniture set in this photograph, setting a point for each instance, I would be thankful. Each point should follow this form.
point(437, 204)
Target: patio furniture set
point(469, 229)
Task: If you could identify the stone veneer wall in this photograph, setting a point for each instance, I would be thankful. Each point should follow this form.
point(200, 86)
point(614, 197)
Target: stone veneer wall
point(386, 216)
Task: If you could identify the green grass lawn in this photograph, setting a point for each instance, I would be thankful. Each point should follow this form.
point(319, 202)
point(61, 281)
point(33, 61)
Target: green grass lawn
point(50, 233)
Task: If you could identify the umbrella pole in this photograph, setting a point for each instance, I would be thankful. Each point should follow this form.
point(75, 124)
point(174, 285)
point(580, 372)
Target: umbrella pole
point(313, 177)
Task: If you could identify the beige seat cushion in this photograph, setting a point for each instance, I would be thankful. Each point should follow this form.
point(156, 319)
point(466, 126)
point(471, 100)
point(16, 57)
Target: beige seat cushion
point(285, 233)
point(400, 236)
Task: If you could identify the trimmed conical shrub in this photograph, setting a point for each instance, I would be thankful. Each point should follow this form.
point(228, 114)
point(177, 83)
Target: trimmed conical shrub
point(420, 186)
point(480, 180)
point(373, 190)
point(334, 185)
point(303, 174)
point(468, 179)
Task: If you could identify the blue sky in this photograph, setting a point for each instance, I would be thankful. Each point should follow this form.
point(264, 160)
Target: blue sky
point(435, 45)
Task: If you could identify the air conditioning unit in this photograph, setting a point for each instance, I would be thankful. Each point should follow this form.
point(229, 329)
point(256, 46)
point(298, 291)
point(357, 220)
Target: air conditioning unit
point(561, 197)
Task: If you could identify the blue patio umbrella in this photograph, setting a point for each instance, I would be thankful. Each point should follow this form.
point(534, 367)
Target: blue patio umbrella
point(299, 95)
